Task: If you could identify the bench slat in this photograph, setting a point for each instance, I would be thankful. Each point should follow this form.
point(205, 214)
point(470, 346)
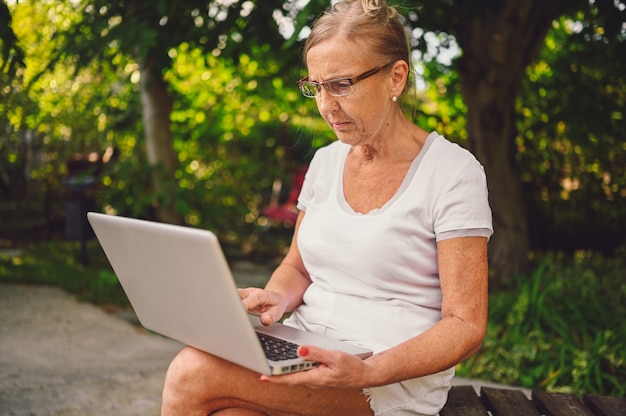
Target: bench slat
point(605, 406)
point(463, 401)
point(506, 402)
point(559, 404)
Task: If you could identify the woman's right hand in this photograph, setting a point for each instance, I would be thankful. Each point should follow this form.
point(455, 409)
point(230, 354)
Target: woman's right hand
point(269, 305)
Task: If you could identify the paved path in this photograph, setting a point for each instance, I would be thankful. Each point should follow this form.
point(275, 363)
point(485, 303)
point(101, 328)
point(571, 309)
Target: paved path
point(60, 356)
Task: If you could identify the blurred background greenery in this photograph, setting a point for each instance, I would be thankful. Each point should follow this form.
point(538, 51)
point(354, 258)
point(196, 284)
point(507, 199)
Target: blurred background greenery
point(187, 112)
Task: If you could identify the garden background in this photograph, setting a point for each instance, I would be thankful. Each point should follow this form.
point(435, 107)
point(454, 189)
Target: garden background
point(187, 112)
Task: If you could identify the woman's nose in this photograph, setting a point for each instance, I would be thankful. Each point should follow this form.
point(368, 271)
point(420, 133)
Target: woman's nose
point(326, 103)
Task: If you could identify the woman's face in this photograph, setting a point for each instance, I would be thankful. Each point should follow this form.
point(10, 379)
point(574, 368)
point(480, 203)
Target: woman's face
point(363, 116)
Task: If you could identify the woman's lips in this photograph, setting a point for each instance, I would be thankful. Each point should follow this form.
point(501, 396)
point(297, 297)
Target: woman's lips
point(338, 125)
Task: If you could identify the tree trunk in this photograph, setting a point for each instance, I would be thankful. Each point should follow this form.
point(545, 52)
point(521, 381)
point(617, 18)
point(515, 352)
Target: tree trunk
point(497, 47)
point(157, 107)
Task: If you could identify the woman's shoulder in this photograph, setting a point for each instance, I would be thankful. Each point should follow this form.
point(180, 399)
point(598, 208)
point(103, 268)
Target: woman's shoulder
point(441, 150)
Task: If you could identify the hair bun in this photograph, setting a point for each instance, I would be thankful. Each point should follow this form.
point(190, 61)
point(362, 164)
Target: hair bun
point(372, 7)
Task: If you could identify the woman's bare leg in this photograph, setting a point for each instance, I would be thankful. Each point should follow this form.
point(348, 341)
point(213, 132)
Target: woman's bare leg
point(201, 384)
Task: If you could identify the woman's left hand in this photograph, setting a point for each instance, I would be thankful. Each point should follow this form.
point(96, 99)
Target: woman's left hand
point(335, 369)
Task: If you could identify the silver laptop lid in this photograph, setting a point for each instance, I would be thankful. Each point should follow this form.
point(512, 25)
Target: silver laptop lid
point(171, 275)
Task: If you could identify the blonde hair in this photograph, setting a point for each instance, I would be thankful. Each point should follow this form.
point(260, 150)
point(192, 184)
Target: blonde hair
point(371, 21)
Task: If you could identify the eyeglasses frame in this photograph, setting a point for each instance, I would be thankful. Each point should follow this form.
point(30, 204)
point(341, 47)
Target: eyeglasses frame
point(352, 81)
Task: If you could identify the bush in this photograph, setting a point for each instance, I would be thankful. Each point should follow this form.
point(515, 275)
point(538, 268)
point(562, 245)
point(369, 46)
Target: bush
point(561, 330)
point(57, 263)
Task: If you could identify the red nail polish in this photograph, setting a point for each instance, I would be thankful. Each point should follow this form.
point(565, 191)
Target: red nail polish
point(303, 351)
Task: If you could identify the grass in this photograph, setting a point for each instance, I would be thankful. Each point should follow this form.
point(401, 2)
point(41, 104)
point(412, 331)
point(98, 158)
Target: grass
point(561, 328)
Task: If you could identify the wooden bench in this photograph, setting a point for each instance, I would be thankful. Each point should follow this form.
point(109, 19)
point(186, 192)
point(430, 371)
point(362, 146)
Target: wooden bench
point(463, 401)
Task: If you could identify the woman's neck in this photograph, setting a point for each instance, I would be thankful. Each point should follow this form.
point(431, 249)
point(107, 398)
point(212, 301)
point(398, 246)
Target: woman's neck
point(400, 145)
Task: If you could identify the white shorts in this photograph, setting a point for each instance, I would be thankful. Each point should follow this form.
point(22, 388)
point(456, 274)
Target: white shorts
point(424, 396)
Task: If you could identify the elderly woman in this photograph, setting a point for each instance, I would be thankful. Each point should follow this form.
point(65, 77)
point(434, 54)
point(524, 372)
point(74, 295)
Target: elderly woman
point(389, 250)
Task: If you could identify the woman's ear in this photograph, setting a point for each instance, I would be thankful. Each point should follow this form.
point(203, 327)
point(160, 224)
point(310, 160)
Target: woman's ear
point(399, 76)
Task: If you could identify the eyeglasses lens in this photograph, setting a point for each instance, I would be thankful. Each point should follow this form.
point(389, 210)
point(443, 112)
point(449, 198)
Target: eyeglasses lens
point(339, 88)
point(309, 89)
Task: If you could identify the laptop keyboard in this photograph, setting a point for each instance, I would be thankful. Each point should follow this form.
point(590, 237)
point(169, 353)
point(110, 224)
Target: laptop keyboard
point(277, 349)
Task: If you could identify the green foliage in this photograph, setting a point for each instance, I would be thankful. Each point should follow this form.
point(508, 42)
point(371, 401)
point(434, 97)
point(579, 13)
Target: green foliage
point(561, 329)
point(149, 30)
point(52, 115)
point(236, 129)
point(572, 147)
point(233, 121)
point(440, 106)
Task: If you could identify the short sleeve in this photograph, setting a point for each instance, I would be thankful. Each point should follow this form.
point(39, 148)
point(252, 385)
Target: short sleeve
point(462, 206)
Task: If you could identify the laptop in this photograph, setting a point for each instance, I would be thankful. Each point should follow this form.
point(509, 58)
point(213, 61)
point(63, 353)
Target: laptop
point(179, 284)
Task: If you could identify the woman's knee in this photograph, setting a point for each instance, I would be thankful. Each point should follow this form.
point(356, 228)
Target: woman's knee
point(194, 372)
point(187, 367)
point(200, 383)
point(186, 382)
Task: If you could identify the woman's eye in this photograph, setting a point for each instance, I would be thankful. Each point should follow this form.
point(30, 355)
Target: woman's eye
point(341, 87)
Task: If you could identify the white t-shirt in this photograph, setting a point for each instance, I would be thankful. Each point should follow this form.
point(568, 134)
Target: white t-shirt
point(374, 276)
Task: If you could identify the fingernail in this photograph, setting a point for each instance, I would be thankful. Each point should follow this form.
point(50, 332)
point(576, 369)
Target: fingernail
point(303, 351)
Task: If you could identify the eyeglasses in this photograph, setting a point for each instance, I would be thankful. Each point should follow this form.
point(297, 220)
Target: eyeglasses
point(339, 87)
